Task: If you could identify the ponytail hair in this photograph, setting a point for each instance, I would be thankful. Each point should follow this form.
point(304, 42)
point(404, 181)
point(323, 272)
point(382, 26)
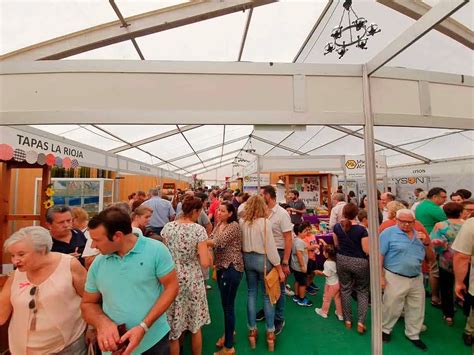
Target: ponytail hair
point(349, 213)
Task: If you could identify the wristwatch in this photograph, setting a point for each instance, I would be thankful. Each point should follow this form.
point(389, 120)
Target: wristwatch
point(144, 326)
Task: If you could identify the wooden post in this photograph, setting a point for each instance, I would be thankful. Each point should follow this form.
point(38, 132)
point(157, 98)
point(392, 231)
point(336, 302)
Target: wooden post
point(45, 181)
point(5, 179)
point(329, 177)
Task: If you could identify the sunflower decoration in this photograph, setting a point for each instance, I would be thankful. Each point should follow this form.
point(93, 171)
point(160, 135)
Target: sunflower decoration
point(48, 203)
point(49, 192)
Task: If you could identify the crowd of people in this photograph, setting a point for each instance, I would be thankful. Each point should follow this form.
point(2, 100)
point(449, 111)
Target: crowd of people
point(132, 279)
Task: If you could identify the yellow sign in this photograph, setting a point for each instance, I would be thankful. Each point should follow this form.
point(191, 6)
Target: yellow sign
point(351, 164)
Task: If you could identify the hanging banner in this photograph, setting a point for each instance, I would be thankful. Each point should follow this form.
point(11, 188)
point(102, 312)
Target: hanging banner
point(310, 199)
point(354, 166)
point(251, 182)
point(35, 148)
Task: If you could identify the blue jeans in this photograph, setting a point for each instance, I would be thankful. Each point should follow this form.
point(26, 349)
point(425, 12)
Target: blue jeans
point(254, 273)
point(228, 281)
point(280, 305)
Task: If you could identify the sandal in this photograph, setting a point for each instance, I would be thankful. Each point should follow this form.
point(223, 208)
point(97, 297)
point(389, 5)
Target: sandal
point(436, 304)
point(449, 321)
point(361, 328)
point(220, 342)
point(348, 324)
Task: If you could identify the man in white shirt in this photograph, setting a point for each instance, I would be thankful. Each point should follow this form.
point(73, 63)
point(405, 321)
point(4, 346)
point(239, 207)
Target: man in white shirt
point(338, 199)
point(281, 228)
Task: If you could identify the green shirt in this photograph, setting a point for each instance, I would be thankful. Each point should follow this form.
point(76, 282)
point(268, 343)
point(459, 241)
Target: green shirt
point(130, 287)
point(429, 213)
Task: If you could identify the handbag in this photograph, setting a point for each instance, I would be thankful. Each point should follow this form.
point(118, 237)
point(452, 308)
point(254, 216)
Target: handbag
point(272, 279)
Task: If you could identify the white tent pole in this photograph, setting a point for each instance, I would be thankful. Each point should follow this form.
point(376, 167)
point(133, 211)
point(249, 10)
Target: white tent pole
point(374, 255)
point(258, 173)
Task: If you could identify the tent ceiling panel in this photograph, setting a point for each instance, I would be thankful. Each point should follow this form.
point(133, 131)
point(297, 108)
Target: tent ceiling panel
point(135, 7)
point(236, 131)
point(187, 161)
point(216, 39)
point(121, 51)
point(277, 30)
point(260, 147)
point(275, 151)
point(390, 21)
point(212, 162)
point(204, 136)
point(233, 146)
point(392, 134)
point(445, 147)
point(139, 155)
point(26, 23)
point(464, 15)
point(400, 159)
point(168, 148)
point(298, 139)
point(444, 55)
point(272, 135)
point(133, 133)
point(85, 134)
point(325, 136)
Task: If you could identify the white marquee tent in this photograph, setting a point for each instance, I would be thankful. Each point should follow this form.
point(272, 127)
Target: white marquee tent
point(191, 104)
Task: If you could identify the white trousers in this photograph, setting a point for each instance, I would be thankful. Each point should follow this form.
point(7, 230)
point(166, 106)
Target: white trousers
point(402, 293)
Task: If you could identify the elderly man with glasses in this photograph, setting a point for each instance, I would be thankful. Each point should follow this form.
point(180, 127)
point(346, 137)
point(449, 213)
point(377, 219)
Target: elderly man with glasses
point(403, 250)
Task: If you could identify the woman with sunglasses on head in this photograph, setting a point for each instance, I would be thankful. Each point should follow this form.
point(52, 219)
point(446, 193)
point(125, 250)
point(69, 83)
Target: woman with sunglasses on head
point(43, 297)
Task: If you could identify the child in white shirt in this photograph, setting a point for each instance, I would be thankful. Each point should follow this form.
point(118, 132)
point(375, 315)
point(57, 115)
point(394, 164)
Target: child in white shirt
point(331, 289)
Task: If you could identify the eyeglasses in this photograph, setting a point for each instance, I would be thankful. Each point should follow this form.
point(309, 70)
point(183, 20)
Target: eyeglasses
point(405, 222)
point(32, 306)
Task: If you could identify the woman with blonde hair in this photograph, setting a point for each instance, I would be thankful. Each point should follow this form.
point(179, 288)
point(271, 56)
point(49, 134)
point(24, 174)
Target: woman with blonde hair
point(257, 240)
point(392, 208)
point(43, 297)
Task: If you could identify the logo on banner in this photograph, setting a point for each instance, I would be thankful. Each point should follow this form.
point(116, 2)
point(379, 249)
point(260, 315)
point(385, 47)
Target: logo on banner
point(351, 164)
point(411, 180)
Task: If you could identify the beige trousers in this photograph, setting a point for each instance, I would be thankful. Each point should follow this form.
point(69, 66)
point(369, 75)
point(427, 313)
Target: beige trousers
point(402, 293)
point(470, 323)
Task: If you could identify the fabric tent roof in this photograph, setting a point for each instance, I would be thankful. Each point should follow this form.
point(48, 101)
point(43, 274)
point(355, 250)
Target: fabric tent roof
point(276, 33)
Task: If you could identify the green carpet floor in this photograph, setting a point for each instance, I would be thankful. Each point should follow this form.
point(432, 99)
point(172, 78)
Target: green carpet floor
point(307, 333)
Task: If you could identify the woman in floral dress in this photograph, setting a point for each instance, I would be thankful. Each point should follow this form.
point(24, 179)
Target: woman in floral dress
point(187, 243)
point(443, 235)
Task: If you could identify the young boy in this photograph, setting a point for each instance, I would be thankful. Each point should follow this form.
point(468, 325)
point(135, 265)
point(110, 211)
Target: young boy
point(299, 262)
point(313, 248)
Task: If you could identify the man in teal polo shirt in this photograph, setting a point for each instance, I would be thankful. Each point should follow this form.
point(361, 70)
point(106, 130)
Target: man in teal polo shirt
point(133, 282)
point(429, 212)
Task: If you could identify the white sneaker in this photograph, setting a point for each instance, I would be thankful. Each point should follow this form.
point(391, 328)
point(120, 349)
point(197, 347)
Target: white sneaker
point(288, 291)
point(339, 316)
point(320, 313)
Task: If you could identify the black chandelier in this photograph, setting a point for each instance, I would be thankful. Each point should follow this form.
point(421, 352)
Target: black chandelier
point(355, 33)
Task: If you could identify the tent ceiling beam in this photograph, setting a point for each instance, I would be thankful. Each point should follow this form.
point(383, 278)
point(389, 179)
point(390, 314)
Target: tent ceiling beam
point(155, 138)
point(140, 25)
point(277, 145)
point(91, 92)
point(449, 27)
point(315, 32)
point(244, 36)
point(125, 25)
point(431, 18)
point(208, 160)
point(207, 149)
point(383, 144)
point(223, 141)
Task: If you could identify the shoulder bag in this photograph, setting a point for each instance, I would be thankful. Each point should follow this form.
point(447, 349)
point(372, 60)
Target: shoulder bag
point(272, 279)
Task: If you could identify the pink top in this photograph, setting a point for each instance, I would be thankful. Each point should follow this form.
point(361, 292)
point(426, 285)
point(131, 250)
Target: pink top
point(58, 322)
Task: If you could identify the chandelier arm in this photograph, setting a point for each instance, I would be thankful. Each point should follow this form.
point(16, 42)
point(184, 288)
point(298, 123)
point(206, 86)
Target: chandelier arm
point(350, 28)
point(354, 13)
point(342, 17)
